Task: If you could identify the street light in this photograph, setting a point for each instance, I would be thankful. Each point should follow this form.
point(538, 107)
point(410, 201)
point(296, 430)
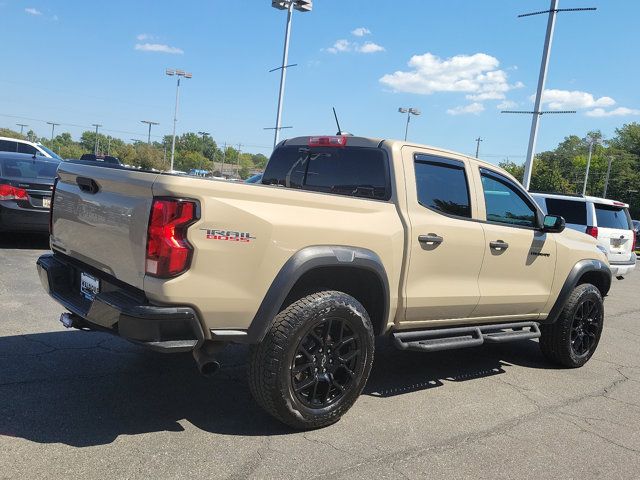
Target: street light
point(22, 125)
point(179, 73)
point(409, 112)
point(289, 6)
point(148, 122)
point(592, 139)
point(53, 127)
point(97, 125)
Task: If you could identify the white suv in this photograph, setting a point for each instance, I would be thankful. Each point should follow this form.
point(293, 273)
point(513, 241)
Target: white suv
point(17, 145)
point(606, 220)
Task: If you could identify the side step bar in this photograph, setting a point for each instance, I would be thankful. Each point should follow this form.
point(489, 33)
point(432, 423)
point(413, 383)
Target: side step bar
point(451, 338)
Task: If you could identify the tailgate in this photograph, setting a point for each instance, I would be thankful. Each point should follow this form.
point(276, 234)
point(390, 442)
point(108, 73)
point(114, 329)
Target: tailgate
point(100, 217)
point(615, 231)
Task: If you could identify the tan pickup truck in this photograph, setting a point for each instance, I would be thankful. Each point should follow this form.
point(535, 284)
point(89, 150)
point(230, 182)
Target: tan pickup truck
point(346, 238)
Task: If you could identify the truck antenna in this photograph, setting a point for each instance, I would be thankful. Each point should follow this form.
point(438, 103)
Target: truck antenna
point(337, 122)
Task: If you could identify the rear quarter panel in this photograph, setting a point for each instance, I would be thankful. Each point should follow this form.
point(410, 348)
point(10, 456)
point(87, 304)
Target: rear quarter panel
point(228, 279)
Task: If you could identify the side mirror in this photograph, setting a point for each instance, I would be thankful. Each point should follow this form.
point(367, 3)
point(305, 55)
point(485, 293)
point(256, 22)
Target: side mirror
point(553, 224)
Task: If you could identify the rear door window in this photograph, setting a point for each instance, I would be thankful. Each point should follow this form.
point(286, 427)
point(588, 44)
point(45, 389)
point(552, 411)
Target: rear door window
point(610, 216)
point(351, 171)
point(442, 185)
point(571, 210)
point(26, 148)
point(28, 169)
point(8, 146)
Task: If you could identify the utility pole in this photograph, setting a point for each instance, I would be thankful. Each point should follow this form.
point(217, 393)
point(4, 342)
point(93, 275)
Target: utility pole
point(97, 125)
point(53, 127)
point(148, 122)
point(592, 141)
point(238, 160)
point(478, 140)
point(204, 136)
point(109, 145)
point(22, 125)
point(224, 154)
point(542, 78)
point(606, 179)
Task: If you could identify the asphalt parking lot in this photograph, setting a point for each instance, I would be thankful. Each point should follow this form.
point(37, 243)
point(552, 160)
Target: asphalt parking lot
point(86, 405)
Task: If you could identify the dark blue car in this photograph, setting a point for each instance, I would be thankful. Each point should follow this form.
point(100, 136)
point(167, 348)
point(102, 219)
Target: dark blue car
point(26, 183)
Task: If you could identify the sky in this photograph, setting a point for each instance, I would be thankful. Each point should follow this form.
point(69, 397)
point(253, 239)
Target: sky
point(458, 61)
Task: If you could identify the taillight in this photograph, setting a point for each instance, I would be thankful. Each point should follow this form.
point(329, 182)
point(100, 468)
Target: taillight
point(53, 196)
point(168, 250)
point(593, 231)
point(9, 192)
point(332, 141)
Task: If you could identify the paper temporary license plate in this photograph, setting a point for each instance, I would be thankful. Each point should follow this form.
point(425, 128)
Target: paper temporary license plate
point(89, 286)
point(46, 202)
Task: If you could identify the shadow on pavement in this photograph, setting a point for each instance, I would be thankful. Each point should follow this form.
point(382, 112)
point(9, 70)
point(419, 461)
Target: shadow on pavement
point(24, 241)
point(85, 389)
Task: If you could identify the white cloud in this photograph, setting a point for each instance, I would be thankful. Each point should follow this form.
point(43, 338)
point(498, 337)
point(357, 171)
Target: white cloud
point(616, 112)
point(360, 32)
point(144, 36)
point(342, 46)
point(370, 47)
point(33, 11)
point(506, 104)
point(473, 108)
point(571, 100)
point(477, 75)
point(158, 47)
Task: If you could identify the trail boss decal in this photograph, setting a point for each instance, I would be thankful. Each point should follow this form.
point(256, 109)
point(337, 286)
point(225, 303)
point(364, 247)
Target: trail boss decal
point(228, 235)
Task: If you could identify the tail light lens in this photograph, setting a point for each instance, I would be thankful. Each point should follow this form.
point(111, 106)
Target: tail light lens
point(168, 250)
point(593, 231)
point(9, 192)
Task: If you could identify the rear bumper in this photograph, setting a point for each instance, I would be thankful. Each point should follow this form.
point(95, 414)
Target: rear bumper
point(15, 219)
point(118, 309)
point(621, 269)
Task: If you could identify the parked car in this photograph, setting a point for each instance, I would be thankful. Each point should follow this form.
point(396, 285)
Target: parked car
point(350, 238)
point(608, 221)
point(257, 178)
point(108, 159)
point(26, 183)
point(16, 145)
point(636, 229)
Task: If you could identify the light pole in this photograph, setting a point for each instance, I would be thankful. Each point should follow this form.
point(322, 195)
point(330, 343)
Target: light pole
point(179, 73)
point(22, 125)
point(148, 122)
point(53, 127)
point(409, 112)
point(592, 140)
point(478, 140)
point(606, 179)
point(97, 125)
point(289, 6)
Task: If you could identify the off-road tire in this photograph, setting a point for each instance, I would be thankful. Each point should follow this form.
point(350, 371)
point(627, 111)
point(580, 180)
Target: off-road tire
point(556, 341)
point(274, 361)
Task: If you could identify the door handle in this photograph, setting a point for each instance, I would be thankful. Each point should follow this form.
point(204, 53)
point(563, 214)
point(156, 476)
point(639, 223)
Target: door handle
point(431, 238)
point(498, 245)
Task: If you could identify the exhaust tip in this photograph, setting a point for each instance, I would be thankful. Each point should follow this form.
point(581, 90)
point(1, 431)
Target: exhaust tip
point(209, 369)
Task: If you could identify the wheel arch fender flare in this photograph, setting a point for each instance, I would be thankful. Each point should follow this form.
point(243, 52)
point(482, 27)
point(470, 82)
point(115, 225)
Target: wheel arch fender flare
point(597, 268)
point(304, 261)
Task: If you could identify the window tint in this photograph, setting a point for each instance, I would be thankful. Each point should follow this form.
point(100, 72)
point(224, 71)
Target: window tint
point(442, 186)
point(505, 204)
point(353, 171)
point(8, 146)
point(571, 210)
point(26, 148)
point(612, 217)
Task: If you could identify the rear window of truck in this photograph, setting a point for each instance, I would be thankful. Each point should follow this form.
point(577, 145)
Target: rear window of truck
point(571, 210)
point(609, 216)
point(352, 171)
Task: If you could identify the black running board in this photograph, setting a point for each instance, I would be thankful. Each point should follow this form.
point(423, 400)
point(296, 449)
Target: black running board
point(461, 337)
